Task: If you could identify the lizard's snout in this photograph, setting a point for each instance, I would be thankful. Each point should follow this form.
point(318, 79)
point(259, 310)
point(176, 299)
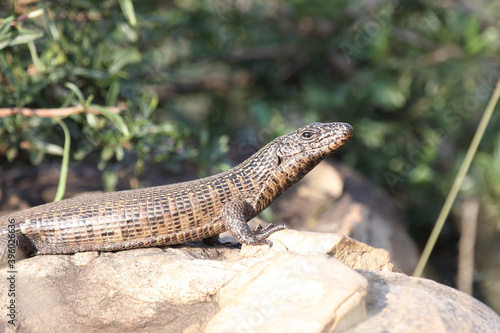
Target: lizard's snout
point(346, 129)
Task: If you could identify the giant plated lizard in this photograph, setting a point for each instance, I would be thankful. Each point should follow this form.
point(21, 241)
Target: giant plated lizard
point(177, 213)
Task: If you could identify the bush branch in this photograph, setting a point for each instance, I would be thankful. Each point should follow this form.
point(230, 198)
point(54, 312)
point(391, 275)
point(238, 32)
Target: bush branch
point(52, 113)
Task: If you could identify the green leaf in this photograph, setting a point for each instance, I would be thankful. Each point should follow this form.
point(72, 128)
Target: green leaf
point(110, 178)
point(388, 96)
point(22, 36)
point(68, 100)
point(420, 174)
point(49, 148)
point(128, 32)
point(153, 104)
point(92, 120)
point(113, 92)
point(124, 58)
point(5, 26)
point(11, 154)
point(90, 73)
point(107, 153)
point(128, 10)
point(119, 153)
point(52, 28)
point(34, 56)
point(74, 88)
point(61, 188)
point(116, 119)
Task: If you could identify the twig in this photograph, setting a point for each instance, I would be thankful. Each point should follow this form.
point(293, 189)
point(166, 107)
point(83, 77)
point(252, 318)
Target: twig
point(26, 16)
point(52, 113)
point(465, 274)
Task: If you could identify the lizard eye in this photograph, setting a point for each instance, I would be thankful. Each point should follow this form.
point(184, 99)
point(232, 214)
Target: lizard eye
point(307, 135)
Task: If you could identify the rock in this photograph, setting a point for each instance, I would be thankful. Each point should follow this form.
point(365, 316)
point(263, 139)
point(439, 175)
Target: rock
point(84, 258)
point(361, 256)
point(298, 285)
point(174, 289)
point(399, 303)
point(291, 293)
point(125, 291)
point(335, 199)
point(350, 252)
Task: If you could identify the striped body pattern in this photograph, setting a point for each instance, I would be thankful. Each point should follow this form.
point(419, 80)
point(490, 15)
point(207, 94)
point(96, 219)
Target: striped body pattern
point(177, 213)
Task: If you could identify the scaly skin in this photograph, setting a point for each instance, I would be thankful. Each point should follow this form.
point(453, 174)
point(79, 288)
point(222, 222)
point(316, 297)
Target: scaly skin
point(177, 213)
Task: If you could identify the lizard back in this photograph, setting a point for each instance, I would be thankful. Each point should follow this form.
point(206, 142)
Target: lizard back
point(161, 215)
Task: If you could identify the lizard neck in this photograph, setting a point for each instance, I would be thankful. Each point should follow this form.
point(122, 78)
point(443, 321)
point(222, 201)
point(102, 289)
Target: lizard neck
point(269, 176)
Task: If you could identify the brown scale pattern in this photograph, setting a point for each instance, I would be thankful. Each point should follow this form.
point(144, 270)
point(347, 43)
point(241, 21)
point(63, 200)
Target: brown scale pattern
point(178, 213)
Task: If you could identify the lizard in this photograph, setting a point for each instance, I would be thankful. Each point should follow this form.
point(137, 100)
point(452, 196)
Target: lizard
point(176, 213)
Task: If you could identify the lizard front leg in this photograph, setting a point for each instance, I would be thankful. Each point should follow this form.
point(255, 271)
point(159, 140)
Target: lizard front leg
point(235, 215)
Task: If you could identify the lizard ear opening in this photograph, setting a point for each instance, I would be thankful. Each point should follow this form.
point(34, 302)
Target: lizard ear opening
point(280, 160)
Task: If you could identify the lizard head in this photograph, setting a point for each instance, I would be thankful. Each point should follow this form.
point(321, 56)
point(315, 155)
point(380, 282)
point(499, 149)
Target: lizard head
point(287, 159)
point(310, 144)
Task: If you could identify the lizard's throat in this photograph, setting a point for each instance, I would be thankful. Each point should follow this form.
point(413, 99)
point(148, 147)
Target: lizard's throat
point(281, 179)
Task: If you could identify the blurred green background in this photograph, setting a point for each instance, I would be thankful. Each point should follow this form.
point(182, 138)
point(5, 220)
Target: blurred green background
point(205, 84)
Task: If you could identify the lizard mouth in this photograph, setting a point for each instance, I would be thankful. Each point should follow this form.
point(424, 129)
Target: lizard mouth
point(346, 131)
point(336, 140)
